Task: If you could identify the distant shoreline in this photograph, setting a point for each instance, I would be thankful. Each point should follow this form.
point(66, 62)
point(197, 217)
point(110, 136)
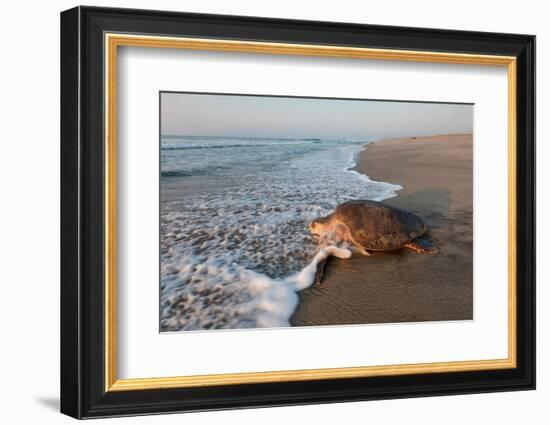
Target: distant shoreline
point(436, 175)
point(449, 154)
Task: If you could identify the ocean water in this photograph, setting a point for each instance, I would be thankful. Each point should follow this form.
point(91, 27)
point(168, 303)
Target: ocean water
point(235, 243)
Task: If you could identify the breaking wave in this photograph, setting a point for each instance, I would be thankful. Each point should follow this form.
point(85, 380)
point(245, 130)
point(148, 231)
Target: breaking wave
point(235, 244)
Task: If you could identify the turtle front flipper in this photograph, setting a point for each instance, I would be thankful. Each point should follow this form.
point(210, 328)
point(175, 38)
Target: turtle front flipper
point(422, 245)
point(320, 271)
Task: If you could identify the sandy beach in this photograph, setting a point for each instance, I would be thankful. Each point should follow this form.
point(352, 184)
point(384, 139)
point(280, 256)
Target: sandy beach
point(405, 286)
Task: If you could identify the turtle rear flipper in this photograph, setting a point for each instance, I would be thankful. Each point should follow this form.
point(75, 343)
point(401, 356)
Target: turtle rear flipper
point(422, 245)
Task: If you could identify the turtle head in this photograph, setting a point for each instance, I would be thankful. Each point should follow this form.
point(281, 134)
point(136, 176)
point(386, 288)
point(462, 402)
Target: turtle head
point(319, 225)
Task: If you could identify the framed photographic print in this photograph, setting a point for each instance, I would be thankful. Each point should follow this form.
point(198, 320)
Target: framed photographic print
point(261, 212)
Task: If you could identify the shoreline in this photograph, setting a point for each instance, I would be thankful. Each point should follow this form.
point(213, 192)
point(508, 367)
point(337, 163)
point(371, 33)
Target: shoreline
point(435, 174)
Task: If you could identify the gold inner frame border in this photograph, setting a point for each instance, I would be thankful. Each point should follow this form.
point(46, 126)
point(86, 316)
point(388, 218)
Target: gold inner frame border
point(111, 43)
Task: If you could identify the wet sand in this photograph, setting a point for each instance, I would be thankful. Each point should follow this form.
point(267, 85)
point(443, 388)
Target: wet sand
point(405, 286)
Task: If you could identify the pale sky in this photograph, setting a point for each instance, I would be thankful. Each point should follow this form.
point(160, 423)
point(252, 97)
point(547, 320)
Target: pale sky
point(286, 117)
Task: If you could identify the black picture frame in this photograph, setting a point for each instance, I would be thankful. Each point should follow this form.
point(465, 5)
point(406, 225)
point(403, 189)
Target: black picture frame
point(83, 392)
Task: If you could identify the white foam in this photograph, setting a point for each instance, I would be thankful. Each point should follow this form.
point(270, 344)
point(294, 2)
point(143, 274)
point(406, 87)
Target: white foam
point(305, 278)
point(390, 188)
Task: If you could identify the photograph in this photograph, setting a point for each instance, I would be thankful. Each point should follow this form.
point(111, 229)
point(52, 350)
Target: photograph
point(285, 211)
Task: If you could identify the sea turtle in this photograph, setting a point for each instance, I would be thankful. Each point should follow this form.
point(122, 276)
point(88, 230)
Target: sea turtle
point(371, 226)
